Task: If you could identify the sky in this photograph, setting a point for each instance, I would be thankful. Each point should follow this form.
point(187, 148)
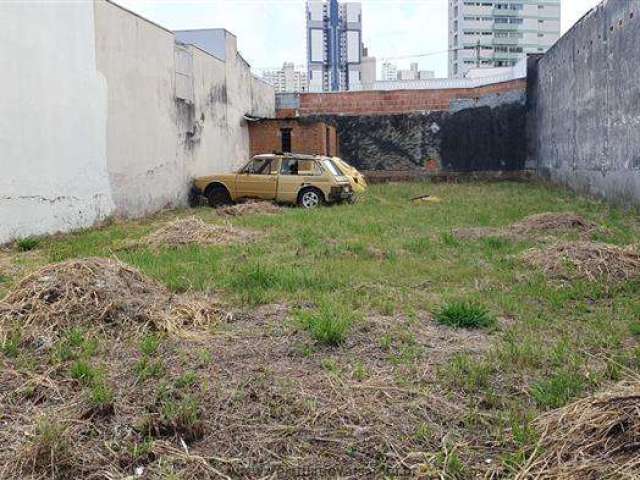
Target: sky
point(271, 32)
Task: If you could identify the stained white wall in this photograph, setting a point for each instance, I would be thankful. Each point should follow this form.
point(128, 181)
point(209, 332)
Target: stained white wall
point(137, 59)
point(53, 113)
point(92, 123)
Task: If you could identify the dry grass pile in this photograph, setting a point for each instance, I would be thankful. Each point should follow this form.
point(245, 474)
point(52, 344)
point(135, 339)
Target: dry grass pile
point(95, 293)
point(553, 222)
point(532, 226)
point(586, 260)
point(249, 207)
point(591, 439)
point(194, 231)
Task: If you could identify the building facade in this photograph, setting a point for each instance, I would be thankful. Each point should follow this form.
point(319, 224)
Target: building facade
point(368, 69)
point(287, 79)
point(415, 74)
point(334, 45)
point(389, 71)
point(499, 33)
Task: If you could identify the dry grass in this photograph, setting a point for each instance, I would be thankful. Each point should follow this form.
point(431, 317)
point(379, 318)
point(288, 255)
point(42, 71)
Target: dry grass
point(263, 404)
point(249, 207)
point(96, 293)
point(592, 439)
point(532, 226)
point(194, 231)
point(586, 260)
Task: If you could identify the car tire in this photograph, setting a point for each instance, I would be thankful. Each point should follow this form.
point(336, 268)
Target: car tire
point(310, 198)
point(218, 196)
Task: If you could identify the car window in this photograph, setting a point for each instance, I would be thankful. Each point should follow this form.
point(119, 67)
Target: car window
point(295, 166)
point(258, 166)
point(329, 165)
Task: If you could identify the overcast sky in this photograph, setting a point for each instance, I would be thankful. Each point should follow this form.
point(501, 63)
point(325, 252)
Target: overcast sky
point(271, 32)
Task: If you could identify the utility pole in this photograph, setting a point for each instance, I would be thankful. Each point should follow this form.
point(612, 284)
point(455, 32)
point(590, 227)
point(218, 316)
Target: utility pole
point(478, 54)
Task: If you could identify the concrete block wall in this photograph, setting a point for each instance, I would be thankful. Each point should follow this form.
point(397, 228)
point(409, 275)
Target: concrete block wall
point(584, 104)
point(93, 123)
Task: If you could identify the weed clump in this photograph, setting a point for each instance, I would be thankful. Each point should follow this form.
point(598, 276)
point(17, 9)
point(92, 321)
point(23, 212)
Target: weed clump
point(27, 244)
point(596, 437)
point(465, 315)
point(328, 325)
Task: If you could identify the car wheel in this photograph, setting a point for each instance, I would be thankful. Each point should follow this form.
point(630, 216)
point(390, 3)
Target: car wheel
point(218, 196)
point(310, 198)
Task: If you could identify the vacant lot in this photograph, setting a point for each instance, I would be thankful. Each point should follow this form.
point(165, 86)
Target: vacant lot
point(393, 337)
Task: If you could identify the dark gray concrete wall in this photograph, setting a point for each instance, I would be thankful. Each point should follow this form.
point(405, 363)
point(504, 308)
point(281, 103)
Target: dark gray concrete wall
point(584, 112)
point(485, 135)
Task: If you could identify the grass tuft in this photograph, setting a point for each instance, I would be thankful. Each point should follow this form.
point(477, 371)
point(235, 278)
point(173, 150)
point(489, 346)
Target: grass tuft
point(28, 243)
point(328, 324)
point(465, 315)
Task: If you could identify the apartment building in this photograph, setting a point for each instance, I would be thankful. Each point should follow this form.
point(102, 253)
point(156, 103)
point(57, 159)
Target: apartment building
point(499, 33)
point(415, 74)
point(389, 71)
point(334, 45)
point(287, 79)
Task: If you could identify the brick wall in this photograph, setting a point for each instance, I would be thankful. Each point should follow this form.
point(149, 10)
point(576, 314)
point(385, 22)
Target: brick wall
point(393, 102)
point(316, 138)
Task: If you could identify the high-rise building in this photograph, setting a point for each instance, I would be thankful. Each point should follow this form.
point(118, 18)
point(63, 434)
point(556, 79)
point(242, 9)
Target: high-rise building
point(334, 45)
point(287, 79)
point(367, 69)
point(415, 74)
point(499, 33)
point(389, 71)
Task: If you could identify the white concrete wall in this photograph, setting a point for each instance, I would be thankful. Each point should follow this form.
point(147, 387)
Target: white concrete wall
point(90, 120)
point(137, 59)
point(52, 120)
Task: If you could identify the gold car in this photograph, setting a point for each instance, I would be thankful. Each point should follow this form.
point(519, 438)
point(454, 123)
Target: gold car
point(306, 180)
point(357, 180)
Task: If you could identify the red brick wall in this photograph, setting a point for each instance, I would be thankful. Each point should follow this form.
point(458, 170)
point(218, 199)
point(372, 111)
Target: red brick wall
point(390, 102)
point(265, 137)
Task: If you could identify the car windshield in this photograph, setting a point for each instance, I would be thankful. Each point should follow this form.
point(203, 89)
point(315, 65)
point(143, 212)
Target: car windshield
point(329, 165)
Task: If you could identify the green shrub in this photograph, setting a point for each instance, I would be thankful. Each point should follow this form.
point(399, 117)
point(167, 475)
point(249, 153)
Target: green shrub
point(465, 315)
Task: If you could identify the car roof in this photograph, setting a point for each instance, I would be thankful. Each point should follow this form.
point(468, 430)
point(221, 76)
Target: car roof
point(291, 155)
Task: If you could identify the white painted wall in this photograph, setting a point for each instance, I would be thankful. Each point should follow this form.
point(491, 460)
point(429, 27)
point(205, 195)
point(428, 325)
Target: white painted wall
point(90, 120)
point(137, 59)
point(52, 120)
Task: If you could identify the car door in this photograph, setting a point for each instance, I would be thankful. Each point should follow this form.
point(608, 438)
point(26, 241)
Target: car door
point(258, 179)
point(294, 174)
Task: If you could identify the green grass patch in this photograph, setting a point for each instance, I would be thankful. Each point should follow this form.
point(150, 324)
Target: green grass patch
point(26, 244)
point(558, 389)
point(465, 315)
point(329, 324)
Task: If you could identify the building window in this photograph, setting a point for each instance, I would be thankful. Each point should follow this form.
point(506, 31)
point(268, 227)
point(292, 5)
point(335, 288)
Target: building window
point(285, 134)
